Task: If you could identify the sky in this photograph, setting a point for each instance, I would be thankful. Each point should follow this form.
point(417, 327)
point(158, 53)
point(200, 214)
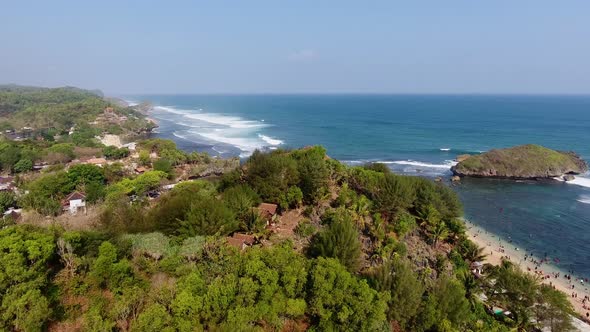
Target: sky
point(418, 46)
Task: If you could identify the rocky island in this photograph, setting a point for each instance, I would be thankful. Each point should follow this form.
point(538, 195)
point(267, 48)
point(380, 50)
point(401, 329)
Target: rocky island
point(521, 162)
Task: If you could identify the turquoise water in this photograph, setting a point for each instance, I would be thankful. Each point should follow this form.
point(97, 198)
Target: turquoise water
point(416, 135)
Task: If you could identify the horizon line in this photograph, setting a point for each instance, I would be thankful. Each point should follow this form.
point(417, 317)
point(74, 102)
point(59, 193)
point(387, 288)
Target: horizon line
point(535, 94)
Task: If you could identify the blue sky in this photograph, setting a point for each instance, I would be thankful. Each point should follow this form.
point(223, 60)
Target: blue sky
point(456, 46)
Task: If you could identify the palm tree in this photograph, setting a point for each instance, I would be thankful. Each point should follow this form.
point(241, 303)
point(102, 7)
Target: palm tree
point(361, 209)
point(474, 254)
point(439, 232)
point(472, 287)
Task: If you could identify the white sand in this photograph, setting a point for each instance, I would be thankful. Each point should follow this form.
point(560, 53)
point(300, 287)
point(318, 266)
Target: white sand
point(497, 248)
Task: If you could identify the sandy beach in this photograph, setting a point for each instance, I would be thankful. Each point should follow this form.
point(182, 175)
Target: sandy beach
point(498, 248)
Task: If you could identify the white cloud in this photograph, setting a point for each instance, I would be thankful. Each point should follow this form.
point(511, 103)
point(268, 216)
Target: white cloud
point(302, 55)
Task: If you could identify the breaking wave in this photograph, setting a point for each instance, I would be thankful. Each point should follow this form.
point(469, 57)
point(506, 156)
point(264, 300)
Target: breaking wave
point(218, 129)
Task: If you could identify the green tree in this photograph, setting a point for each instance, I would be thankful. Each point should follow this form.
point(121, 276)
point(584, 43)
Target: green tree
point(340, 302)
point(9, 156)
point(83, 174)
point(339, 240)
point(154, 318)
point(163, 165)
point(293, 198)
point(46, 192)
point(144, 158)
point(553, 310)
point(24, 257)
point(241, 200)
point(112, 152)
point(23, 165)
point(404, 224)
point(7, 199)
point(394, 194)
point(514, 290)
point(271, 174)
point(25, 309)
point(95, 191)
point(404, 287)
point(314, 173)
point(208, 216)
point(173, 207)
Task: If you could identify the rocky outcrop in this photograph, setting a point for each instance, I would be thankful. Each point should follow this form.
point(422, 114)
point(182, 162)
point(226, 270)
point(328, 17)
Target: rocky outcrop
point(462, 157)
point(521, 162)
point(569, 177)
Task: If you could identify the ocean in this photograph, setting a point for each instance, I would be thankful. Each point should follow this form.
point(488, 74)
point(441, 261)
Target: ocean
point(415, 135)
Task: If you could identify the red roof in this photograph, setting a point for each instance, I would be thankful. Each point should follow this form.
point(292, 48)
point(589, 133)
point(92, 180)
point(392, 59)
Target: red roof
point(239, 240)
point(97, 161)
point(246, 238)
point(7, 179)
point(267, 210)
point(73, 196)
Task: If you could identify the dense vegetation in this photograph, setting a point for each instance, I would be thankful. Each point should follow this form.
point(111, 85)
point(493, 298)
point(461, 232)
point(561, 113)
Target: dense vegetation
point(165, 266)
point(50, 112)
point(372, 250)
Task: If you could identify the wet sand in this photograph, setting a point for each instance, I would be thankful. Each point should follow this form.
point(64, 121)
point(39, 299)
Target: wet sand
point(497, 248)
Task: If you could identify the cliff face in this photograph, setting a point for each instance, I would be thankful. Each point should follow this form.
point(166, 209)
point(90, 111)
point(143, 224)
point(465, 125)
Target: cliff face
point(521, 162)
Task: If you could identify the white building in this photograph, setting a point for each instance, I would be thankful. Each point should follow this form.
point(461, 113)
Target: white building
point(74, 202)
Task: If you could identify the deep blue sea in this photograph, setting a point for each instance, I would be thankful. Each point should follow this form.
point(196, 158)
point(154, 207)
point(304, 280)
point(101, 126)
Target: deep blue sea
point(417, 135)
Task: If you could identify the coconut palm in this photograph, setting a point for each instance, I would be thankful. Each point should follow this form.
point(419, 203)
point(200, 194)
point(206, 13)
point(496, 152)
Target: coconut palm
point(474, 254)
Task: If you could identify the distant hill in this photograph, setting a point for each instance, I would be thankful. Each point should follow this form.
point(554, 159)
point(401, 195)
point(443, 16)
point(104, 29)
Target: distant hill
point(14, 98)
point(60, 109)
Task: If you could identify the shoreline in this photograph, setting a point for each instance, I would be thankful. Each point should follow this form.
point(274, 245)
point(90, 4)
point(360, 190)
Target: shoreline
point(497, 248)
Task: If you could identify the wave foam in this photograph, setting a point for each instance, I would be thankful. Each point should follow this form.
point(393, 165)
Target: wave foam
point(270, 140)
point(212, 118)
point(584, 199)
point(578, 180)
point(447, 165)
point(445, 149)
point(226, 129)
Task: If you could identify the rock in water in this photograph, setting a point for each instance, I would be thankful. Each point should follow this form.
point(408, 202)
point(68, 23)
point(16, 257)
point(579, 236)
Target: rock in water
point(568, 177)
point(455, 178)
point(521, 162)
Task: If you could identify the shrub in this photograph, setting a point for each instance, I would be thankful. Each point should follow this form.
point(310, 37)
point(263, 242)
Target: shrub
point(23, 165)
point(305, 228)
point(208, 216)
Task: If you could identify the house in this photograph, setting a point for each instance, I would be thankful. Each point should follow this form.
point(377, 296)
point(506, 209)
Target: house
point(74, 201)
point(241, 241)
point(131, 146)
point(13, 214)
point(169, 186)
point(97, 161)
point(140, 170)
point(109, 111)
point(268, 212)
point(6, 183)
point(477, 269)
point(40, 166)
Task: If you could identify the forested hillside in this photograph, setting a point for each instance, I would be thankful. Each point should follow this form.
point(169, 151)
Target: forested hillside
point(372, 251)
